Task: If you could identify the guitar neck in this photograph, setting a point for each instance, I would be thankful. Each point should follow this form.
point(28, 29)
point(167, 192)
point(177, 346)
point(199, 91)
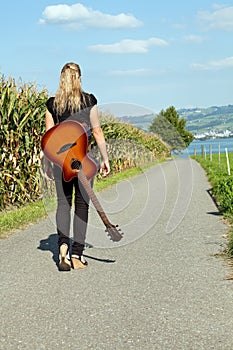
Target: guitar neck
point(91, 194)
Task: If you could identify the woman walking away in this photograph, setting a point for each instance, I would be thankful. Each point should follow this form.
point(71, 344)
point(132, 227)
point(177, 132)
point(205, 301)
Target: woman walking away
point(70, 101)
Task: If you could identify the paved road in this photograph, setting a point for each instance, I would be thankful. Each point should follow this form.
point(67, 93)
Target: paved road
point(161, 288)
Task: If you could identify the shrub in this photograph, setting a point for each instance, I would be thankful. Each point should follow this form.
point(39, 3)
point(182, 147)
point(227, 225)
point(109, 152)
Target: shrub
point(223, 192)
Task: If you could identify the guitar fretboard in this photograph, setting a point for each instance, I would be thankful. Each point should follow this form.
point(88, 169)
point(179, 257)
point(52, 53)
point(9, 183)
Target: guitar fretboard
point(87, 186)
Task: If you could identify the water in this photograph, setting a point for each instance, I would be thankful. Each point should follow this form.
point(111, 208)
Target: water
point(223, 142)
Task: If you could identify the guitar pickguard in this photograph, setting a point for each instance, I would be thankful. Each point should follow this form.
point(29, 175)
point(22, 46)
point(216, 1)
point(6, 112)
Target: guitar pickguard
point(65, 147)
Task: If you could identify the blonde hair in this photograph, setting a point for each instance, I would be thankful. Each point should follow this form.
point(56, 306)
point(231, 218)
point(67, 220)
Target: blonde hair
point(69, 94)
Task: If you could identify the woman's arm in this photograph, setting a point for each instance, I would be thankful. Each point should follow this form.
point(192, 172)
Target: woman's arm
point(100, 140)
point(46, 164)
point(49, 122)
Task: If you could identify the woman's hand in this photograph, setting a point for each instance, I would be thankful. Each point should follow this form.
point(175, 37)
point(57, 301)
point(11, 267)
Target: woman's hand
point(105, 168)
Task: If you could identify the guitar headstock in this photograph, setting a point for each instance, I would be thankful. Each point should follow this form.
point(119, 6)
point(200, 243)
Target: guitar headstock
point(114, 232)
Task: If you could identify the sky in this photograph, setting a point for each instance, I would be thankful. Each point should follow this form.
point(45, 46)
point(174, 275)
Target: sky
point(150, 53)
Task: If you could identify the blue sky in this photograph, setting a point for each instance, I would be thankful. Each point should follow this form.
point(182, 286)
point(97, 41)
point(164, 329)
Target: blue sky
point(149, 53)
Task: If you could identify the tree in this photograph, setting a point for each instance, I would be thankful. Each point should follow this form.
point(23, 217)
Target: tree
point(171, 128)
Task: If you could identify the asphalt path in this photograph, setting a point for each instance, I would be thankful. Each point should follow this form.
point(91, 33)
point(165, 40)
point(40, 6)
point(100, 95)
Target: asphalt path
point(161, 287)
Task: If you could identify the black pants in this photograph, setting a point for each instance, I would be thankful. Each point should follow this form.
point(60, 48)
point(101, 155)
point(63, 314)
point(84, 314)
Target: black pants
point(66, 192)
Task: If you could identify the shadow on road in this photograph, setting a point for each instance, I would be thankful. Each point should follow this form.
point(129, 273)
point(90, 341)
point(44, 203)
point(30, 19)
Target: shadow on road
point(216, 213)
point(50, 244)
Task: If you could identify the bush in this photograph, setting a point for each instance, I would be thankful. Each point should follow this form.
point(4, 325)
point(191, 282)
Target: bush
point(222, 187)
point(223, 192)
point(221, 182)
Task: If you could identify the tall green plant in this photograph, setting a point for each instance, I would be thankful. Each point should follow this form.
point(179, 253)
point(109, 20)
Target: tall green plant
point(22, 110)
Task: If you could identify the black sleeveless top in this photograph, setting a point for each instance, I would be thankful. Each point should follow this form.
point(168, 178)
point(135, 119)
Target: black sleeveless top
point(83, 116)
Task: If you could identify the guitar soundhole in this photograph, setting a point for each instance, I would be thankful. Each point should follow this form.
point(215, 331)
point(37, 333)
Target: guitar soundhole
point(76, 164)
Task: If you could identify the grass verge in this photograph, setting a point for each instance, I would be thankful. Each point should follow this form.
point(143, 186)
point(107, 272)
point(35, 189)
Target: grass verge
point(12, 220)
point(222, 190)
point(17, 218)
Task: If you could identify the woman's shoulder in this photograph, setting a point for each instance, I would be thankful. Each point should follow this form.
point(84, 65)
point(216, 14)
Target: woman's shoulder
point(89, 99)
point(49, 104)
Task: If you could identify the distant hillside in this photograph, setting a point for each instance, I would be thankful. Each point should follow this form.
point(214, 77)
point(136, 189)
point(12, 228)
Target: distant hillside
point(198, 120)
point(218, 118)
point(142, 122)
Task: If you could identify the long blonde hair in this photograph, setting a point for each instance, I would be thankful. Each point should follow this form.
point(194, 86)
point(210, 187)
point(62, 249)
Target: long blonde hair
point(69, 93)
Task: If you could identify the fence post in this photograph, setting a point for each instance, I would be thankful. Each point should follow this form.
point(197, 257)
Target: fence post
point(219, 154)
point(228, 165)
point(210, 152)
point(202, 151)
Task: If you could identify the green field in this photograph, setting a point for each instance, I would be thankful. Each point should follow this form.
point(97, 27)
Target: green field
point(222, 187)
point(206, 119)
point(198, 120)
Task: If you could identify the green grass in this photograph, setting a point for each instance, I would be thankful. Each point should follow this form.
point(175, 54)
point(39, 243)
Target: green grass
point(222, 188)
point(11, 220)
point(217, 167)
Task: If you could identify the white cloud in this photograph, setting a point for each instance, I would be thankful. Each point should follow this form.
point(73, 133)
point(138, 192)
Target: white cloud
point(194, 38)
point(222, 18)
point(132, 72)
point(129, 46)
point(218, 6)
point(78, 16)
point(215, 65)
point(179, 26)
point(142, 72)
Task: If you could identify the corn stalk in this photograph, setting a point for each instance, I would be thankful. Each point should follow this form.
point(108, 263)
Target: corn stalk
point(22, 110)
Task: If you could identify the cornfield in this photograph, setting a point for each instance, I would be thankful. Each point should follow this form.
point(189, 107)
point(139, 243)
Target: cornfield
point(129, 146)
point(22, 124)
point(22, 111)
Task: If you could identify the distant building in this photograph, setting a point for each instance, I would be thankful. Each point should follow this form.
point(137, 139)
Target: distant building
point(213, 135)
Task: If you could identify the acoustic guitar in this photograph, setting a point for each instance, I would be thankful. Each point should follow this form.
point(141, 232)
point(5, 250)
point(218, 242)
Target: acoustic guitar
point(66, 145)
